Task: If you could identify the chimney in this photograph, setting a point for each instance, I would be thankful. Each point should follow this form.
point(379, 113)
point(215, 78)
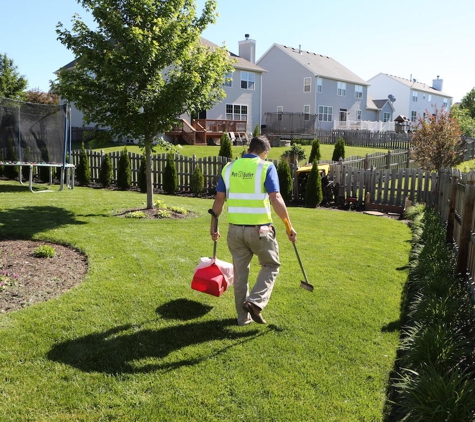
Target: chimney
point(437, 83)
point(247, 49)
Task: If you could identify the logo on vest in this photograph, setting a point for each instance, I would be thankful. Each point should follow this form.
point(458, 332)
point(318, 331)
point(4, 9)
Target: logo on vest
point(242, 174)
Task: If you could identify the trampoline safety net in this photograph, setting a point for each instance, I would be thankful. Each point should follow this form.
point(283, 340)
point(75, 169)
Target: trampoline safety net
point(32, 133)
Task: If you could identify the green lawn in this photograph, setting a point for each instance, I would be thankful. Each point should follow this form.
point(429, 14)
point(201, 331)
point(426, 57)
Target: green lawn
point(275, 153)
point(133, 342)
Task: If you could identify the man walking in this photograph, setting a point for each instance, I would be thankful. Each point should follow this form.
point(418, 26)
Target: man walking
point(250, 186)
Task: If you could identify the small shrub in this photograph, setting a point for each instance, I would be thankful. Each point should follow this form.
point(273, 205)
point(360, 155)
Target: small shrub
point(11, 172)
point(179, 210)
point(83, 170)
point(315, 151)
point(45, 251)
point(164, 214)
point(136, 214)
point(339, 150)
point(295, 153)
point(142, 176)
point(285, 180)
point(105, 173)
point(160, 204)
point(7, 280)
point(225, 150)
point(313, 191)
point(170, 179)
point(124, 176)
point(197, 181)
point(256, 131)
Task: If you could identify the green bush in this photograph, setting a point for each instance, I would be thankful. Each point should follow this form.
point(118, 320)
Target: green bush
point(313, 191)
point(315, 151)
point(83, 171)
point(339, 150)
point(256, 131)
point(45, 251)
point(142, 176)
point(11, 172)
point(225, 149)
point(124, 175)
point(197, 181)
point(105, 173)
point(170, 178)
point(295, 153)
point(285, 180)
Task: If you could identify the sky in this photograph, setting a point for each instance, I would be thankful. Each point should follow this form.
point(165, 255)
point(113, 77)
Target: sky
point(413, 39)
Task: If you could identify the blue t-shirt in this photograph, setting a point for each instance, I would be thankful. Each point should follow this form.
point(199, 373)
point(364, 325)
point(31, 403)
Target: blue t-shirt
point(271, 183)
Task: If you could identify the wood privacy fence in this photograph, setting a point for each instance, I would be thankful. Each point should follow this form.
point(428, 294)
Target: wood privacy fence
point(456, 203)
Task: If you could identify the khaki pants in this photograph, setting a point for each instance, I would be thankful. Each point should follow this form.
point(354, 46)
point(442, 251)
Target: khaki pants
point(243, 243)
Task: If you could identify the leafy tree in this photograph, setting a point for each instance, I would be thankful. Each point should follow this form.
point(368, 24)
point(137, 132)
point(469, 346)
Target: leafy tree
point(142, 67)
point(466, 123)
point(225, 149)
point(12, 84)
point(105, 173)
point(83, 170)
point(313, 191)
point(142, 176)
point(124, 174)
point(285, 180)
point(170, 178)
point(295, 153)
point(315, 151)
point(339, 150)
point(197, 180)
point(41, 97)
point(436, 139)
point(468, 103)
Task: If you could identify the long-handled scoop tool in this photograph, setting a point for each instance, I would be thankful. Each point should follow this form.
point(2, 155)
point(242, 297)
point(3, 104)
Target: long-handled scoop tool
point(303, 284)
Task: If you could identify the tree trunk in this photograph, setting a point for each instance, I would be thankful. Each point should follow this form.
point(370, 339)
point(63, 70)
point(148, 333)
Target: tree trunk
point(148, 172)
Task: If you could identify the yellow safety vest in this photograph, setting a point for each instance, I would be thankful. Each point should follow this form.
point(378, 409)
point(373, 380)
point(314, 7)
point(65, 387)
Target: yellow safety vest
point(247, 200)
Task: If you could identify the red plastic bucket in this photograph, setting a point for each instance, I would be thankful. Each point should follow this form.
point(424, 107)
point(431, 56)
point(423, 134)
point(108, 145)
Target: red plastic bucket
point(209, 280)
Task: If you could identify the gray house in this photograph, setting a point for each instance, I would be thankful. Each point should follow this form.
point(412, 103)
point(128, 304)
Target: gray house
point(303, 91)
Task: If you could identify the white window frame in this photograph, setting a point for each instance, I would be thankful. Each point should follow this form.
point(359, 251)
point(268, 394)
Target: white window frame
point(319, 85)
point(306, 112)
point(236, 112)
point(386, 116)
point(325, 113)
point(228, 80)
point(413, 116)
point(445, 103)
point(414, 96)
point(248, 80)
point(280, 111)
point(358, 114)
point(341, 89)
point(307, 84)
point(358, 91)
point(429, 98)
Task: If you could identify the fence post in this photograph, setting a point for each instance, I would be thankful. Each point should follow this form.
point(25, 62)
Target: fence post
point(449, 237)
point(467, 214)
point(388, 160)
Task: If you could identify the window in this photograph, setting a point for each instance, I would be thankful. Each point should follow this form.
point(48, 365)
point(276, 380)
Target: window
point(413, 116)
point(319, 85)
point(343, 114)
point(445, 103)
point(307, 84)
point(414, 96)
point(358, 114)
point(247, 80)
point(386, 116)
point(228, 79)
point(358, 91)
point(280, 110)
point(429, 98)
point(236, 112)
point(306, 112)
point(325, 113)
point(341, 89)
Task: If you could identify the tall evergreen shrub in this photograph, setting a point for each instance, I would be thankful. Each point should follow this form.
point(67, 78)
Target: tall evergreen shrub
point(225, 150)
point(11, 172)
point(339, 150)
point(315, 151)
point(170, 178)
point(83, 170)
point(197, 181)
point(313, 192)
point(142, 176)
point(285, 180)
point(105, 174)
point(256, 131)
point(124, 175)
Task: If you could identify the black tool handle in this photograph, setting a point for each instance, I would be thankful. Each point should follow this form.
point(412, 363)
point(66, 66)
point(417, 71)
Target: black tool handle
point(215, 229)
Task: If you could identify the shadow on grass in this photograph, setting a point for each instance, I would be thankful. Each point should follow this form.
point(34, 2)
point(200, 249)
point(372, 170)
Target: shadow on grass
point(25, 222)
point(183, 309)
point(121, 349)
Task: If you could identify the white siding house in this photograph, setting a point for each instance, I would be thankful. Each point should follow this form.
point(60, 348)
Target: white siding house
point(323, 91)
point(412, 98)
